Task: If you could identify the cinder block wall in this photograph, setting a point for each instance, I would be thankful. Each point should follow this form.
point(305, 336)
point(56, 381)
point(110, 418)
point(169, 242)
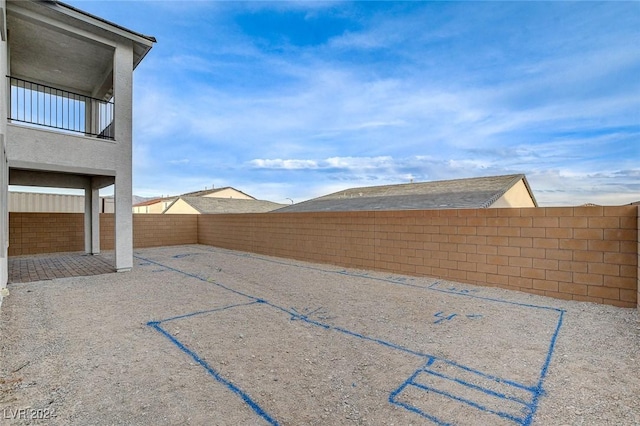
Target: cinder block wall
point(153, 230)
point(35, 233)
point(582, 253)
point(586, 253)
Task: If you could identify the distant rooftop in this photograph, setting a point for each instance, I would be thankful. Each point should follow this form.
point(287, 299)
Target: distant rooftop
point(205, 192)
point(153, 201)
point(471, 193)
point(211, 205)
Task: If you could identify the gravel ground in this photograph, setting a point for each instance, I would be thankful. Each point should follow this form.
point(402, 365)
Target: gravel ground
point(199, 335)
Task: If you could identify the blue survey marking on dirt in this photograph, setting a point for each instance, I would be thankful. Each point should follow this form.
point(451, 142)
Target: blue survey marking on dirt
point(473, 386)
point(306, 313)
point(356, 274)
point(390, 279)
point(416, 383)
point(462, 290)
point(216, 375)
point(235, 388)
point(437, 287)
point(545, 368)
point(441, 316)
point(196, 276)
point(207, 311)
point(393, 399)
point(180, 256)
point(535, 391)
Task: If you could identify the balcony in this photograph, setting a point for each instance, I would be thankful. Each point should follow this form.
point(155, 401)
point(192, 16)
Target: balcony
point(38, 105)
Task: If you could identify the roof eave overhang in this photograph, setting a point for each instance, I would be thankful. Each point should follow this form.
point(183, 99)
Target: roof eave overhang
point(516, 179)
point(526, 184)
point(142, 43)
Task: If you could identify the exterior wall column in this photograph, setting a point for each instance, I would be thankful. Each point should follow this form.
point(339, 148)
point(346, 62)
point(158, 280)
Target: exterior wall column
point(123, 82)
point(4, 167)
point(91, 219)
point(4, 216)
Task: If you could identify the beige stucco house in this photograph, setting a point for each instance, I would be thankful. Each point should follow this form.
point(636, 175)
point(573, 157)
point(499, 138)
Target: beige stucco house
point(471, 193)
point(216, 205)
point(160, 205)
point(224, 192)
point(66, 111)
point(155, 206)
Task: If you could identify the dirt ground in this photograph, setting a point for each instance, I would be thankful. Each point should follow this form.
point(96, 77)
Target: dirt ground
point(200, 335)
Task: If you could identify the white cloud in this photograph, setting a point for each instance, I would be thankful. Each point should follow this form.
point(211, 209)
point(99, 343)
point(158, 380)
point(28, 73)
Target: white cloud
point(179, 162)
point(430, 103)
point(284, 164)
point(343, 163)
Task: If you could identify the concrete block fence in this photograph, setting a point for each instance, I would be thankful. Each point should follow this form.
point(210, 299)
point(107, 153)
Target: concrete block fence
point(579, 253)
point(36, 233)
point(583, 253)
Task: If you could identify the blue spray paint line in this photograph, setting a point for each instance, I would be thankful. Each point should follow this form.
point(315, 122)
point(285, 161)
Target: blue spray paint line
point(230, 385)
point(473, 296)
point(554, 338)
point(419, 412)
point(180, 256)
point(320, 313)
point(432, 286)
point(307, 313)
point(399, 281)
point(467, 402)
point(394, 395)
point(205, 312)
point(379, 341)
point(198, 278)
point(490, 376)
point(476, 387)
point(413, 382)
point(537, 390)
point(543, 373)
point(294, 314)
point(441, 317)
point(246, 398)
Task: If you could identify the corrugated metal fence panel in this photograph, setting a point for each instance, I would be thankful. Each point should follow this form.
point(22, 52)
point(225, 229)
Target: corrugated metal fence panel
point(32, 202)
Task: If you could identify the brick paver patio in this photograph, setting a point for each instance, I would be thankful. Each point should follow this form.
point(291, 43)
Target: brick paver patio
point(58, 265)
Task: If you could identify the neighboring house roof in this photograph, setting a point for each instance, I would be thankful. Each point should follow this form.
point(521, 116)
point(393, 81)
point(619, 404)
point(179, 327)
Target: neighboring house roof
point(153, 201)
point(208, 205)
point(449, 194)
point(204, 192)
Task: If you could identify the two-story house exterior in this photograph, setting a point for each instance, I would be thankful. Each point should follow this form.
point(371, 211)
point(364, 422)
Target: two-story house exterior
point(66, 111)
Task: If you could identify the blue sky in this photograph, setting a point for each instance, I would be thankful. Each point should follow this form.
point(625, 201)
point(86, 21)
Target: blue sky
point(300, 99)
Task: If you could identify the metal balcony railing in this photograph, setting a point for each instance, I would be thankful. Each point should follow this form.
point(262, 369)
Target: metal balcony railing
point(40, 105)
